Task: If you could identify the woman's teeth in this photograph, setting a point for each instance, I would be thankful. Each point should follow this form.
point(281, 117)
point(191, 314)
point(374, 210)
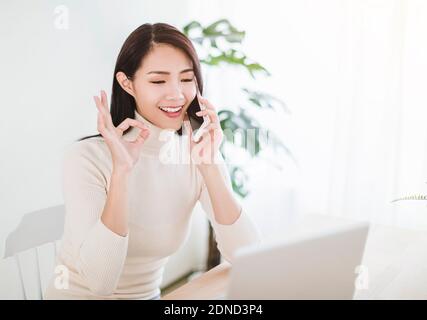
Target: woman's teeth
point(171, 109)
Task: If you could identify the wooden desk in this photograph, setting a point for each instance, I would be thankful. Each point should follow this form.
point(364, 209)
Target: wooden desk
point(395, 259)
point(210, 285)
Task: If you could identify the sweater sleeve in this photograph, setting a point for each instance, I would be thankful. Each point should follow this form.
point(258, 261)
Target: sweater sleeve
point(229, 238)
point(99, 253)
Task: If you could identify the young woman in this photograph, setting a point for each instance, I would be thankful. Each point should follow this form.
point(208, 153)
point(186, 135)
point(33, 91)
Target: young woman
point(128, 191)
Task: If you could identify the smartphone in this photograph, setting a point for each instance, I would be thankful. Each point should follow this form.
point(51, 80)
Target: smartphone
point(198, 124)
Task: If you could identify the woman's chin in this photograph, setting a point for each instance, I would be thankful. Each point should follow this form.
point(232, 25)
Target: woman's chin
point(172, 123)
point(172, 126)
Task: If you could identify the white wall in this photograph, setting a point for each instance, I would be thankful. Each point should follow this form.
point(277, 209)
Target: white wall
point(48, 79)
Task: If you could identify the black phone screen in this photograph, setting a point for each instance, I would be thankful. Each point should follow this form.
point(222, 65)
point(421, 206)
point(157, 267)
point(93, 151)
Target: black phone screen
point(195, 120)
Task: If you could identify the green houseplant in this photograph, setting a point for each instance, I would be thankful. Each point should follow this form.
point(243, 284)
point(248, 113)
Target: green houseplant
point(221, 43)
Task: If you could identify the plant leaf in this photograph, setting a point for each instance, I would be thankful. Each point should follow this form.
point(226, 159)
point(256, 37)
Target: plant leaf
point(265, 100)
point(412, 197)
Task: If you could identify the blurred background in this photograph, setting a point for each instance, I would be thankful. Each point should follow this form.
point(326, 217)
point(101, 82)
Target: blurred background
point(346, 81)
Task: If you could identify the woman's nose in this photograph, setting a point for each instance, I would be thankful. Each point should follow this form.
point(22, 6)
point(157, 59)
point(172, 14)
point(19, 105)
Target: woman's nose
point(174, 92)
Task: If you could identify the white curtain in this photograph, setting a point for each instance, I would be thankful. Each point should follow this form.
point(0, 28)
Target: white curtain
point(378, 150)
point(354, 74)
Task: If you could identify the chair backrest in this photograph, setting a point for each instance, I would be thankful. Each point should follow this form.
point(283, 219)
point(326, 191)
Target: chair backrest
point(30, 252)
point(26, 274)
point(35, 229)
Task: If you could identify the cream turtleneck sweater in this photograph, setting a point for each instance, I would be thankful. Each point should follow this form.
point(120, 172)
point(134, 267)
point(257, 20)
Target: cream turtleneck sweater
point(162, 194)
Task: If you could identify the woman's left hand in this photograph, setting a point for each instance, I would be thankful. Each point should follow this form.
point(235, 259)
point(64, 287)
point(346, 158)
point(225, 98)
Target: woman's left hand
point(205, 151)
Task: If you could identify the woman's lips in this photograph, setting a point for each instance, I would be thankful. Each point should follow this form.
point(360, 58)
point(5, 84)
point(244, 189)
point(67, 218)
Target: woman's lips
point(172, 114)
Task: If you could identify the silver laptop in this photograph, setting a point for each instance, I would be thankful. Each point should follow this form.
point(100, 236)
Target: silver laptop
point(319, 266)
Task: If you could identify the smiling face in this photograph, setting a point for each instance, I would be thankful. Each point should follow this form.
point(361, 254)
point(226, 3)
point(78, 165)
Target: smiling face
point(163, 86)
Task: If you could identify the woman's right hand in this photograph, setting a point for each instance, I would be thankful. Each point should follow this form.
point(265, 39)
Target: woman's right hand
point(124, 153)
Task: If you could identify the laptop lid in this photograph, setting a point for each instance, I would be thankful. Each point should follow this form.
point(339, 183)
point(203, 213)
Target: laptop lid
point(316, 266)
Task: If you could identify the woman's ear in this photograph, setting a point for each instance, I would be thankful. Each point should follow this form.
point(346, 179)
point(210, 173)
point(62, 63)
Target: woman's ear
point(125, 83)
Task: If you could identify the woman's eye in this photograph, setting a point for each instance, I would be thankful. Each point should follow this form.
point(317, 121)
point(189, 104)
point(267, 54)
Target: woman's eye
point(162, 81)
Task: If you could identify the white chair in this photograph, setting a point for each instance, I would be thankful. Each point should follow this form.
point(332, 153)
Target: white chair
point(36, 228)
point(30, 252)
point(26, 274)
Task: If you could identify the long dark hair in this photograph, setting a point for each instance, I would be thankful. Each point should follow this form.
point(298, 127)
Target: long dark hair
point(133, 51)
